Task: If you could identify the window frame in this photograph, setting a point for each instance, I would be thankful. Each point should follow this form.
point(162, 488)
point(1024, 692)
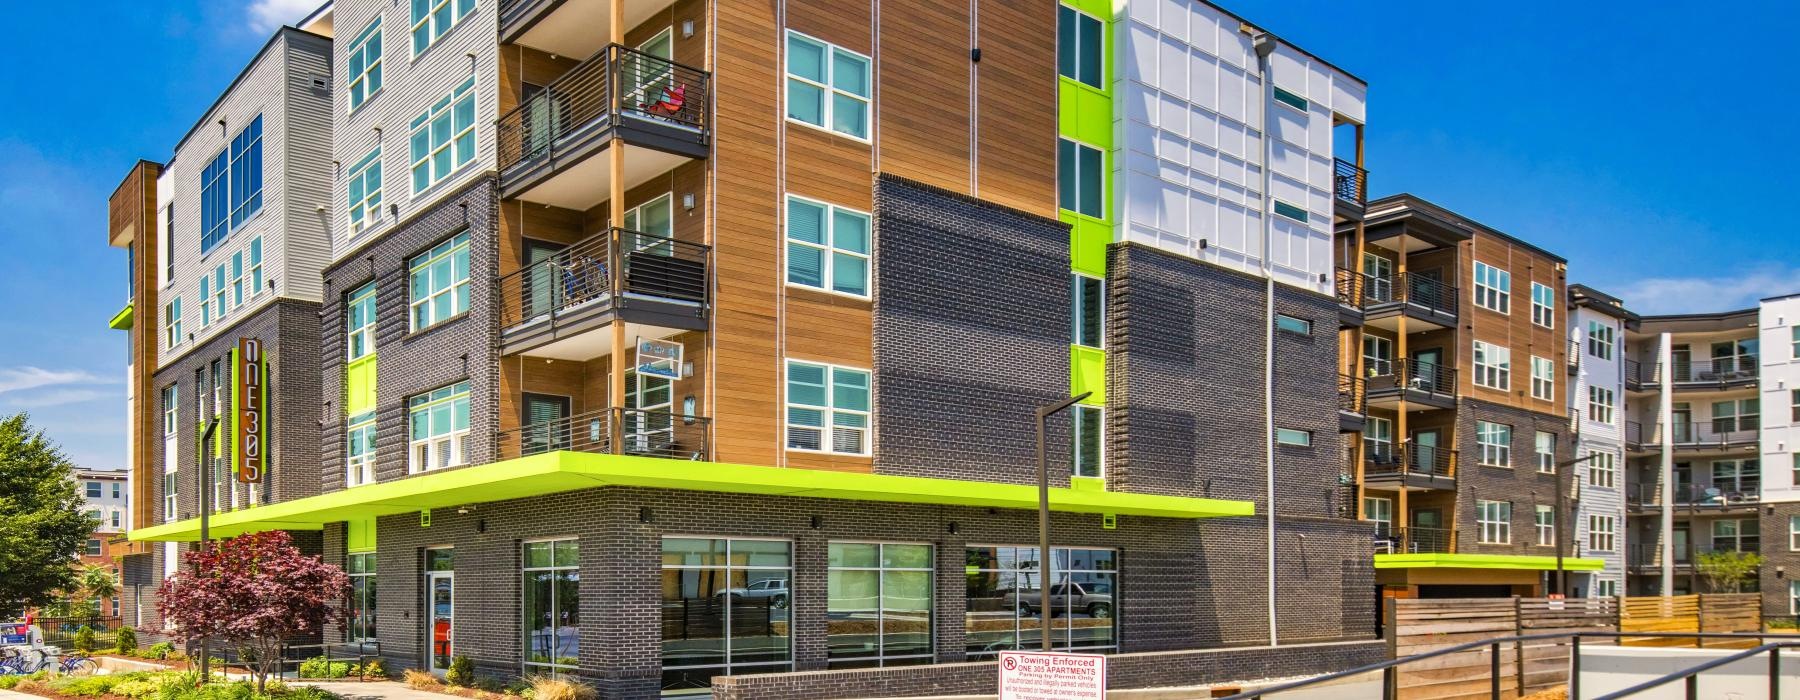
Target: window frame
point(1492, 291)
point(1494, 527)
point(1602, 469)
point(1488, 373)
point(1064, 11)
point(367, 81)
point(1543, 305)
point(1493, 454)
point(829, 412)
point(828, 88)
point(1023, 577)
point(361, 565)
point(459, 11)
point(1602, 404)
point(359, 467)
point(453, 439)
point(422, 263)
point(1078, 302)
point(172, 335)
point(1078, 465)
point(1305, 441)
point(1794, 533)
point(1603, 539)
point(1600, 340)
point(1543, 378)
point(555, 566)
point(1304, 325)
point(1546, 461)
point(448, 109)
point(1544, 522)
point(364, 211)
point(726, 566)
point(829, 249)
point(1081, 181)
point(881, 658)
point(361, 301)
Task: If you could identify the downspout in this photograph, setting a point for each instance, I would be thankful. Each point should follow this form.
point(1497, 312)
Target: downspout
point(1264, 43)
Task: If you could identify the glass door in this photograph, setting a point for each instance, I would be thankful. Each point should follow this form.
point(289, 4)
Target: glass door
point(1681, 363)
point(1681, 418)
point(1424, 453)
point(1381, 278)
point(651, 71)
point(1426, 364)
point(440, 608)
point(545, 419)
point(650, 425)
point(542, 278)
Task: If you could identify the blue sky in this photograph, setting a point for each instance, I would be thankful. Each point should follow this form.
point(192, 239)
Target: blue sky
point(1648, 143)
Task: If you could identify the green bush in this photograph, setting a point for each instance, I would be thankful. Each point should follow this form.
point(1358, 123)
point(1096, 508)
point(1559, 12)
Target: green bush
point(319, 667)
point(127, 642)
point(375, 669)
point(461, 672)
point(160, 650)
point(84, 639)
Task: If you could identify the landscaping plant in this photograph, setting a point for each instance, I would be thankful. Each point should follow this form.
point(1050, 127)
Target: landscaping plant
point(126, 643)
point(461, 672)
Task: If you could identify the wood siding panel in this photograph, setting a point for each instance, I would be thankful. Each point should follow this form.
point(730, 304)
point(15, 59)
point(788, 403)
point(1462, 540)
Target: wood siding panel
point(824, 327)
point(1016, 105)
point(1514, 329)
point(922, 94)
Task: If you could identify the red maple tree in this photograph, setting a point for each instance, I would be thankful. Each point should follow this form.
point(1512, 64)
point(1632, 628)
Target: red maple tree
point(252, 592)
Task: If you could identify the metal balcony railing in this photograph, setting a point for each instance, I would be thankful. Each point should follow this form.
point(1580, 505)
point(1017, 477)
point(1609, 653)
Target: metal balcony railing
point(628, 431)
point(1638, 438)
point(1721, 370)
point(1413, 540)
point(1351, 286)
point(1574, 357)
point(1645, 556)
point(1720, 433)
point(1351, 396)
point(578, 278)
point(1352, 183)
point(1405, 288)
point(1743, 492)
point(1411, 375)
point(1638, 376)
point(614, 84)
point(1410, 459)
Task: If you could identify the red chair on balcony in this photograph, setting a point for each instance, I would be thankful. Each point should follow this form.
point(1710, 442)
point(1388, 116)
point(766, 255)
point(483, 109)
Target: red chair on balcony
point(673, 99)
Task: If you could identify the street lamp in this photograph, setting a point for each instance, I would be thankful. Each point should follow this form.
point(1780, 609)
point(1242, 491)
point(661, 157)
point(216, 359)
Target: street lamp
point(1043, 414)
point(1561, 576)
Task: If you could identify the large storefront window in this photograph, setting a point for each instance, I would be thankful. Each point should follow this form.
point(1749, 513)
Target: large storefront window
point(1002, 607)
point(552, 606)
point(724, 610)
point(362, 597)
point(879, 613)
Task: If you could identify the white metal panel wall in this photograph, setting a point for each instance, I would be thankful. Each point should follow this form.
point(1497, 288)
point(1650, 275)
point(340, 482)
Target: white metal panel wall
point(306, 247)
point(1596, 436)
point(1188, 175)
point(1780, 379)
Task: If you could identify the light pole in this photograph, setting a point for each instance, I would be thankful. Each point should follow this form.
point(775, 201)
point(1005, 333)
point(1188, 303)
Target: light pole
point(206, 486)
point(1561, 587)
point(1043, 414)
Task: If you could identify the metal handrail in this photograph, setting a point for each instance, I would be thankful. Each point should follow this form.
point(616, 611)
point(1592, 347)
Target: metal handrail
point(1389, 685)
point(1410, 373)
point(630, 431)
point(615, 81)
point(1351, 287)
point(1414, 540)
point(1692, 674)
point(1352, 398)
point(1351, 183)
point(1408, 288)
point(1412, 459)
point(1693, 496)
point(654, 266)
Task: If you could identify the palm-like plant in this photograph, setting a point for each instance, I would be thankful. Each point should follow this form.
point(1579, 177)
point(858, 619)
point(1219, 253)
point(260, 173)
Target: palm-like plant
point(98, 582)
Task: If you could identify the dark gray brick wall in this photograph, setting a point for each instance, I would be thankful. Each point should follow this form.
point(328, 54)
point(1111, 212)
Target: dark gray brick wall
point(1521, 483)
point(410, 363)
point(1777, 552)
point(971, 334)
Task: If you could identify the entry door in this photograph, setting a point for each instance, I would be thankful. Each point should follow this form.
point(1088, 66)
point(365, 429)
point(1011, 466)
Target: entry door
point(1428, 363)
point(1381, 278)
point(440, 592)
point(1424, 452)
point(542, 281)
point(1680, 542)
point(1681, 361)
point(545, 418)
point(1682, 416)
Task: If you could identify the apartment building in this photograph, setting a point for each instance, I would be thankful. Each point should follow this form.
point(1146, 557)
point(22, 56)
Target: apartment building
point(1462, 374)
point(1708, 470)
point(1596, 391)
point(728, 323)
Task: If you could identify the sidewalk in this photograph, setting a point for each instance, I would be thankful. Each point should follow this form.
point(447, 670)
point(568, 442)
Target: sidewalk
point(364, 690)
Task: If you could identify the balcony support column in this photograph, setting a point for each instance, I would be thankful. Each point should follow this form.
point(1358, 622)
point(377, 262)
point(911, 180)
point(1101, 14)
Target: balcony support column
point(1665, 408)
point(1355, 360)
point(615, 220)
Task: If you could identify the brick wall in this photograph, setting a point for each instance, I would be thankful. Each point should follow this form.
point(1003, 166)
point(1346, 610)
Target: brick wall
point(1521, 483)
point(971, 334)
point(1777, 551)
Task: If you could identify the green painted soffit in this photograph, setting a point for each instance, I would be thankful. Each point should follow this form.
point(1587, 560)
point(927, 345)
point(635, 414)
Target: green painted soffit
point(1484, 561)
point(558, 472)
point(122, 321)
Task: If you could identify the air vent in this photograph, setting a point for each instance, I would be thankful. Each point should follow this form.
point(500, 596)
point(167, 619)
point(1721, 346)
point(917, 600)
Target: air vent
point(320, 83)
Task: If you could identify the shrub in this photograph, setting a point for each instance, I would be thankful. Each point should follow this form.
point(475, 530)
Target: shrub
point(320, 667)
point(136, 688)
point(160, 650)
point(375, 669)
point(308, 693)
point(461, 671)
point(551, 688)
point(127, 642)
point(420, 680)
point(84, 639)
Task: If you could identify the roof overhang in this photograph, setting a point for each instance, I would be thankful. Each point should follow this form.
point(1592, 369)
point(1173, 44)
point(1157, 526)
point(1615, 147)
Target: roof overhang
point(560, 472)
point(1485, 561)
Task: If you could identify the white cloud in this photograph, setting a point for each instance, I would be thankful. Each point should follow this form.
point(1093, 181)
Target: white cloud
point(1727, 292)
point(267, 15)
point(61, 397)
point(26, 378)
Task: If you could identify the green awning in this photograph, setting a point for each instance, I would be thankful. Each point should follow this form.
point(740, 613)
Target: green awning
point(559, 472)
point(1484, 561)
point(122, 321)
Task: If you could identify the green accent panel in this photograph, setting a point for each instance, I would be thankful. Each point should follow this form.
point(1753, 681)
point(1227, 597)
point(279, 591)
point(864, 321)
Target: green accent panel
point(1484, 561)
point(1097, 8)
point(1088, 239)
point(227, 434)
point(559, 472)
point(122, 321)
point(361, 535)
point(359, 380)
point(1087, 483)
point(1087, 372)
point(1083, 113)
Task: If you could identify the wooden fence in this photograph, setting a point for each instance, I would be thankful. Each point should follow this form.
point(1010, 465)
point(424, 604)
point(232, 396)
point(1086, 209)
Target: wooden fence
point(1421, 625)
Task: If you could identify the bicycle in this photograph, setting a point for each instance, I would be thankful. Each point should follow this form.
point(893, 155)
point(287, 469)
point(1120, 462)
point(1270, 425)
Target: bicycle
point(77, 665)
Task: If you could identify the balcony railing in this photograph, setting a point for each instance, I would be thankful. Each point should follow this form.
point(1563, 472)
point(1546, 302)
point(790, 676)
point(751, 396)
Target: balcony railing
point(1722, 370)
point(1351, 396)
point(577, 280)
point(1574, 357)
point(1646, 556)
point(615, 85)
point(1429, 293)
point(1720, 434)
point(625, 431)
point(1352, 183)
point(1412, 376)
point(1743, 492)
point(1413, 540)
point(1351, 286)
point(1422, 460)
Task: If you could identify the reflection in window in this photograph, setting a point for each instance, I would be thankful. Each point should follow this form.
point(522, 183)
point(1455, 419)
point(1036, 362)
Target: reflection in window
point(1003, 601)
point(879, 612)
point(552, 606)
point(724, 610)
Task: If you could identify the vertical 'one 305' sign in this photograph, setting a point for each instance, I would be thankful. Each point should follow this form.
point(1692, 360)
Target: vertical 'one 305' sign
point(250, 378)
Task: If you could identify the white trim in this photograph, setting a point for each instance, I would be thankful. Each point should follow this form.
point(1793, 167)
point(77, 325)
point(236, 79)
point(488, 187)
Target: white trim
point(828, 88)
point(828, 248)
point(828, 412)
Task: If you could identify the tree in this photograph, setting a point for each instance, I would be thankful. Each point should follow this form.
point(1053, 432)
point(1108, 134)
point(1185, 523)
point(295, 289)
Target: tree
point(42, 526)
point(1726, 571)
point(252, 592)
point(98, 583)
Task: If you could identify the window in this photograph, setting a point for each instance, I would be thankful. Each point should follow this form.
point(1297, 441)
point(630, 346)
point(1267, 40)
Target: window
point(171, 410)
point(440, 428)
point(1543, 305)
point(359, 467)
point(440, 282)
point(1080, 47)
point(432, 18)
point(1600, 404)
point(552, 605)
point(878, 607)
point(733, 594)
point(1733, 416)
point(822, 397)
point(1293, 438)
point(1290, 211)
point(1088, 315)
point(256, 274)
point(1600, 340)
point(237, 280)
point(1289, 324)
point(1737, 477)
point(360, 322)
point(1379, 510)
point(172, 323)
point(169, 243)
point(1495, 441)
point(1602, 470)
point(1546, 452)
point(1606, 588)
point(827, 86)
point(1493, 288)
point(1794, 533)
point(1794, 597)
point(1378, 355)
point(1601, 530)
point(231, 186)
point(1796, 342)
point(218, 300)
point(93, 489)
point(1493, 366)
point(1080, 178)
point(1546, 526)
point(1378, 440)
point(364, 191)
point(1495, 519)
point(1736, 535)
point(443, 137)
point(1090, 440)
point(169, 484)
point(115, 489)
point(1290, 99)
point(1796, 409)
point(827, 247)
point(1003, 602)
point(1543, 378)
point(206, 310)
point(365, 64)
point(361, 567)
point(93, 550)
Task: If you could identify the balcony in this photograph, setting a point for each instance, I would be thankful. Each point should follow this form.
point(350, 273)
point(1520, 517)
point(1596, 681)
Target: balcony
point(1417, 467)
point(1723, 435)
point(612, 431)
point(1351, 286)
point(1648, 558)
point(1413, 540)
point(1717, 374)
point(1639, 377)
point(1426, 300)
point(553, 307)
point(1724, 497)
point(1573, 358)
point(1353, 405)
point(1351, 185)
point(546, 146)
point(1423, 385)
point(570, 27)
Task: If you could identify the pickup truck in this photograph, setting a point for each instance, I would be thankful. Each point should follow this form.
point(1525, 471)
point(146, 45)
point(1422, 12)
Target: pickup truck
point(1064, 597)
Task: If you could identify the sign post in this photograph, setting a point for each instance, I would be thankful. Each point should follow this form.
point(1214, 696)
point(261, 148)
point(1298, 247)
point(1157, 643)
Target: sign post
point(1036, 675)
point(248, 453)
